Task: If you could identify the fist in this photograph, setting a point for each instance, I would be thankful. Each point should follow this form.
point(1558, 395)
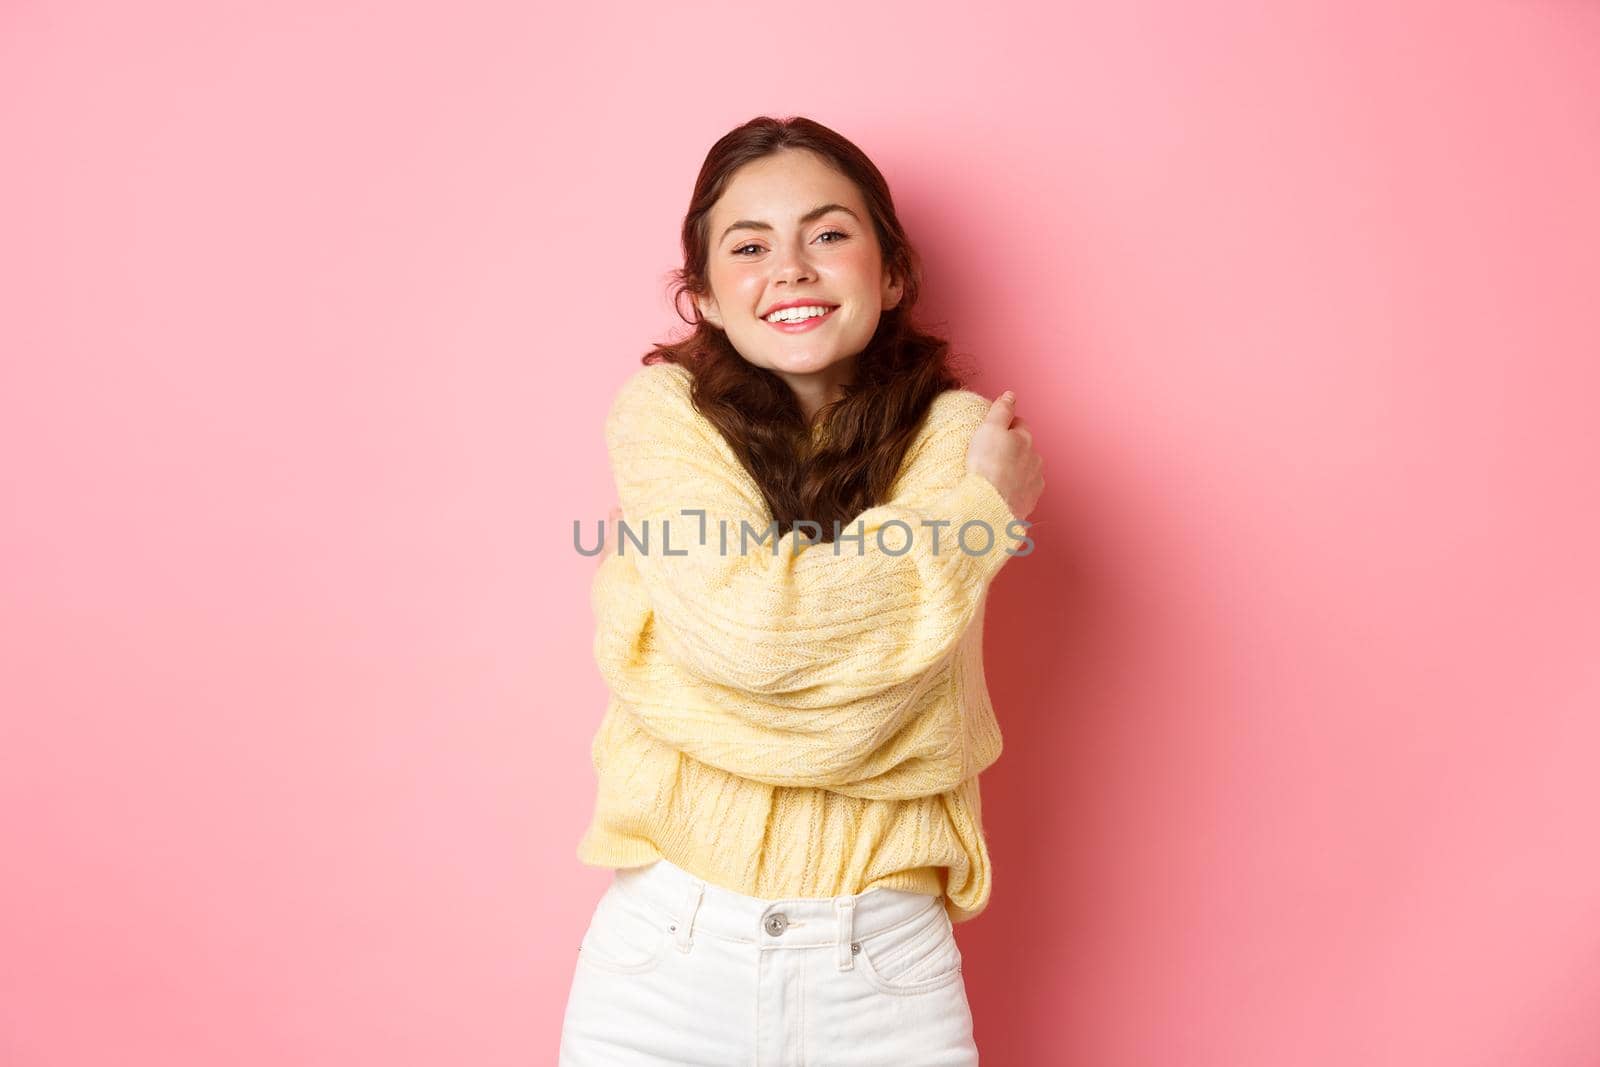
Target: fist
point(609, 547)
point(1002, 451)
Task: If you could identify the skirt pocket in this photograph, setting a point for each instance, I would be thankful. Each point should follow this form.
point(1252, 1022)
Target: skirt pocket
point(625, 936)
point(916, 956)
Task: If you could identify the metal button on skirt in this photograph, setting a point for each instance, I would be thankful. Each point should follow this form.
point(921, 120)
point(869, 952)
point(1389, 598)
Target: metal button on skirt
point(675, 970)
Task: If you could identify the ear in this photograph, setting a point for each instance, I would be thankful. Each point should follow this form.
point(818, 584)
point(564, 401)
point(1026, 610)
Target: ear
point(893, 290)
point(707, 306)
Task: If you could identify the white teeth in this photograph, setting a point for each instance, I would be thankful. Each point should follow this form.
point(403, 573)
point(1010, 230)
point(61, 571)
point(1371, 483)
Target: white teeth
point(796, 314)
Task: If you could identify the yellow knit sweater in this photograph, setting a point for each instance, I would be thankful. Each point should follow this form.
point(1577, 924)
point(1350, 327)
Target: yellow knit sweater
point(794, 724)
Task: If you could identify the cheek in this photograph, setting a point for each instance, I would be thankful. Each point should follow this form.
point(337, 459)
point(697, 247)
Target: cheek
point(733, 276)
point(859, 269)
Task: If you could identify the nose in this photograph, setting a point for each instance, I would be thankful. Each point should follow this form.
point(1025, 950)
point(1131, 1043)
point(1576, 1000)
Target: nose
point(791, 266)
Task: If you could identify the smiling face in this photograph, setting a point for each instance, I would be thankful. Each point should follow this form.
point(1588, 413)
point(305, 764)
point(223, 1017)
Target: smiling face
point(788, 228)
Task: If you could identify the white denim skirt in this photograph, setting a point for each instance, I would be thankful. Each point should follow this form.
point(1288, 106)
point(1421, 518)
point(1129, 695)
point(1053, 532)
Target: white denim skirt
point(675, 970)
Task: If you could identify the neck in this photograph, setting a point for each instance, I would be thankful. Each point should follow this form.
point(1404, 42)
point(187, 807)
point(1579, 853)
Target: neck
point(815, 391)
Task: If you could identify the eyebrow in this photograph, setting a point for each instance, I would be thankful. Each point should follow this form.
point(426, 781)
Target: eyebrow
point(815, 213)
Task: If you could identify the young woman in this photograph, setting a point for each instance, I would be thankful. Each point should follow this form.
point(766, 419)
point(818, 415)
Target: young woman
point(791, 631)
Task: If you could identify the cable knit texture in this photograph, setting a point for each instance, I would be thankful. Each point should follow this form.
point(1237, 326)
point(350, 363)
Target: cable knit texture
point(791, 719)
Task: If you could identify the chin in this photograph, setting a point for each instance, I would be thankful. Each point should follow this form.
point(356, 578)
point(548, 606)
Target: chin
point(791, 365)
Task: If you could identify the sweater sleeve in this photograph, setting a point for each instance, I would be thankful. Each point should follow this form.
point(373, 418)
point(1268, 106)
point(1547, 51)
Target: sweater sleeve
point(902, 742)
point(857, 700)
point(779, 615)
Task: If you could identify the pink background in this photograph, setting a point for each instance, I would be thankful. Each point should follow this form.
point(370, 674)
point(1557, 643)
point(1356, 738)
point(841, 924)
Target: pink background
point(311, 316)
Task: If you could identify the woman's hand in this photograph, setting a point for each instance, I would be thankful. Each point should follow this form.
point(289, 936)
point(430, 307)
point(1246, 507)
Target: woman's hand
point(1002, 451)
point(609, 547)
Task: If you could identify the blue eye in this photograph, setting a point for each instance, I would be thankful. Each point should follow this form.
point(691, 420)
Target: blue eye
point(820, 236)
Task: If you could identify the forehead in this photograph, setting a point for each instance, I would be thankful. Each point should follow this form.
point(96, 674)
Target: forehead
point(781, 187)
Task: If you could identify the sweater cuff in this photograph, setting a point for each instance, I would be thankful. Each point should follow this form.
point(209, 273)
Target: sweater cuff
point(983, 546)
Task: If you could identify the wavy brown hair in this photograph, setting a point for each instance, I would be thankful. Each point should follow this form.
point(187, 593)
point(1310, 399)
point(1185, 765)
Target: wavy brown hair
point(867, 431)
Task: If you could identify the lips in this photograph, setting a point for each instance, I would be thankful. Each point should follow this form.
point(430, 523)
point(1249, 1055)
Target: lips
point(804, 324)
point(798, 304)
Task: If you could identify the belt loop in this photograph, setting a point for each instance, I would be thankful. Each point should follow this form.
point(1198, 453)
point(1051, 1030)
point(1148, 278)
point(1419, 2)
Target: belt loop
point(845, 907)
point(685, 924)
